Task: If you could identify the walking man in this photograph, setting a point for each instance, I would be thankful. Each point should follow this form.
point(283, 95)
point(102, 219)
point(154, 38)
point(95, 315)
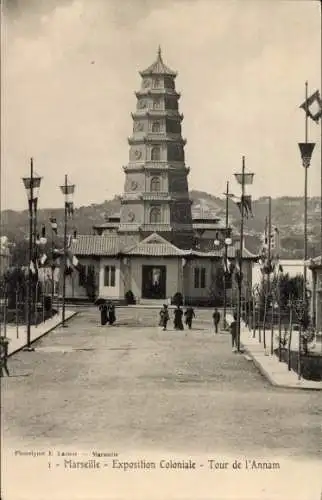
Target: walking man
point(178, 313)
point(189, 314)
point(103, 310)
point(111, 313)
point(216, 319)
point(164, 317)
point(233, 331)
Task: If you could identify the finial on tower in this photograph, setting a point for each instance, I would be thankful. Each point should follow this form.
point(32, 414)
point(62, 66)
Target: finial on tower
point(159, 53)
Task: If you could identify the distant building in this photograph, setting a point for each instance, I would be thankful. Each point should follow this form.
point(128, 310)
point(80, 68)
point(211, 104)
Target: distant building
point(158, 244)
point(315, 266)
point(5, 255)
point(293, 267)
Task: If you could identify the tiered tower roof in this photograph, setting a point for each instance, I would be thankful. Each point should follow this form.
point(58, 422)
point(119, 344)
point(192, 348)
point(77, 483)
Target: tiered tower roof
point(158, 68)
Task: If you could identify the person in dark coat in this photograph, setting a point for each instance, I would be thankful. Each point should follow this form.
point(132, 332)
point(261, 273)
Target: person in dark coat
point(111, 313)
point(178, 313)
point(233, 331)
point(164, 317)
point(216, 319)
point(103, 309)
point(189, 314)
point(4, 356)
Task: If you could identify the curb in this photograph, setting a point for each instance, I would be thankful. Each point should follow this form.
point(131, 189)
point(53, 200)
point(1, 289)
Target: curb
point(271, 380)
point(50, 329)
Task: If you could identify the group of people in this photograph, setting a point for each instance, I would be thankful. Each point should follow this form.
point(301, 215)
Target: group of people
point(108, 315)
point(178, 317)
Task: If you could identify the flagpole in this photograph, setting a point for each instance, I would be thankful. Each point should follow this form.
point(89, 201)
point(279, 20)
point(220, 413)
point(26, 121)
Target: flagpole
point(241, 255)
point(31, 201)
point(268, 230)
point(305, 202)
point(65, 256)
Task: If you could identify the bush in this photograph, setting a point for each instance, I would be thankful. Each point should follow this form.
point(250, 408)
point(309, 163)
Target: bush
point(311, 364)
point(177, 299)
point(129, 297)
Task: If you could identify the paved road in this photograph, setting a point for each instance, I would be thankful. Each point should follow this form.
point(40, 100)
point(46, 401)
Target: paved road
point(138, 387)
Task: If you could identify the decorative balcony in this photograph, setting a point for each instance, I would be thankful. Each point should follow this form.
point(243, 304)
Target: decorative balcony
point(156, 113)
point(157, 92)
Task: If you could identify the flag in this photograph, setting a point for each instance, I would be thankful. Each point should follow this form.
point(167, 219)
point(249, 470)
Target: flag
point(313, 106)
point(68, 268)
point(33, 268)
point(76, 263)
point(54, 225)
point(70, 208)
point(227, 265)
point(73, 261)
point(43, 259)
point(248, 205)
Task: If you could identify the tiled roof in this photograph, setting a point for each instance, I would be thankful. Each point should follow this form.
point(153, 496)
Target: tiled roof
point(152, 246)
point(155, 246)
point(231, 253)
point(208, 225)
point(158, 68)
point(96, 245)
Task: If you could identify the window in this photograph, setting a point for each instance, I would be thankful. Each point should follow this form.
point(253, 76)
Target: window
point(155, 184)
point(203, 277)
point(156, 83)
point(156, 153)
point(156, 127)
point(156, 104)
point(155, 215)
point(200, 277)
point(109, 276)
point(197, 277)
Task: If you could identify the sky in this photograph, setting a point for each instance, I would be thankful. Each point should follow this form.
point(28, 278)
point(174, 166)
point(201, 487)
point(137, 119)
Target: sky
point(70, 70)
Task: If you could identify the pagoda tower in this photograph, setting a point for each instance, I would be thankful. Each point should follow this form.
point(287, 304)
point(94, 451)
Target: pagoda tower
point(156, 195)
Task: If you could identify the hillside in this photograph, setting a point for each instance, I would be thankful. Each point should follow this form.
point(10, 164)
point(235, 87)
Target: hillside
point(287, 215)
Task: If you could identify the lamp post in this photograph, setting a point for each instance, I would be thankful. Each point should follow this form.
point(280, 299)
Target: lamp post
point(228, 242)
point(243, 179)
point(32, 185)
point(68, 192)
point(53, 224)
point(306, 150)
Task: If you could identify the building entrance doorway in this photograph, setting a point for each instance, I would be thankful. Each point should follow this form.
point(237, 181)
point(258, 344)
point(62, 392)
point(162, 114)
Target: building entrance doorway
point(154, 282)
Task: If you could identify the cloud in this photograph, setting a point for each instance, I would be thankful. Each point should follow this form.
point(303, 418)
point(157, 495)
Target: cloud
point(71, 68)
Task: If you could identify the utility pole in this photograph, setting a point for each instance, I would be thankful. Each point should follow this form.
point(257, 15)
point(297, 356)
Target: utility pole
point(227, 194)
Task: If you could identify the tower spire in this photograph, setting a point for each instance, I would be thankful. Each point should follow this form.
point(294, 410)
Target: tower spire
point(159, 53)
